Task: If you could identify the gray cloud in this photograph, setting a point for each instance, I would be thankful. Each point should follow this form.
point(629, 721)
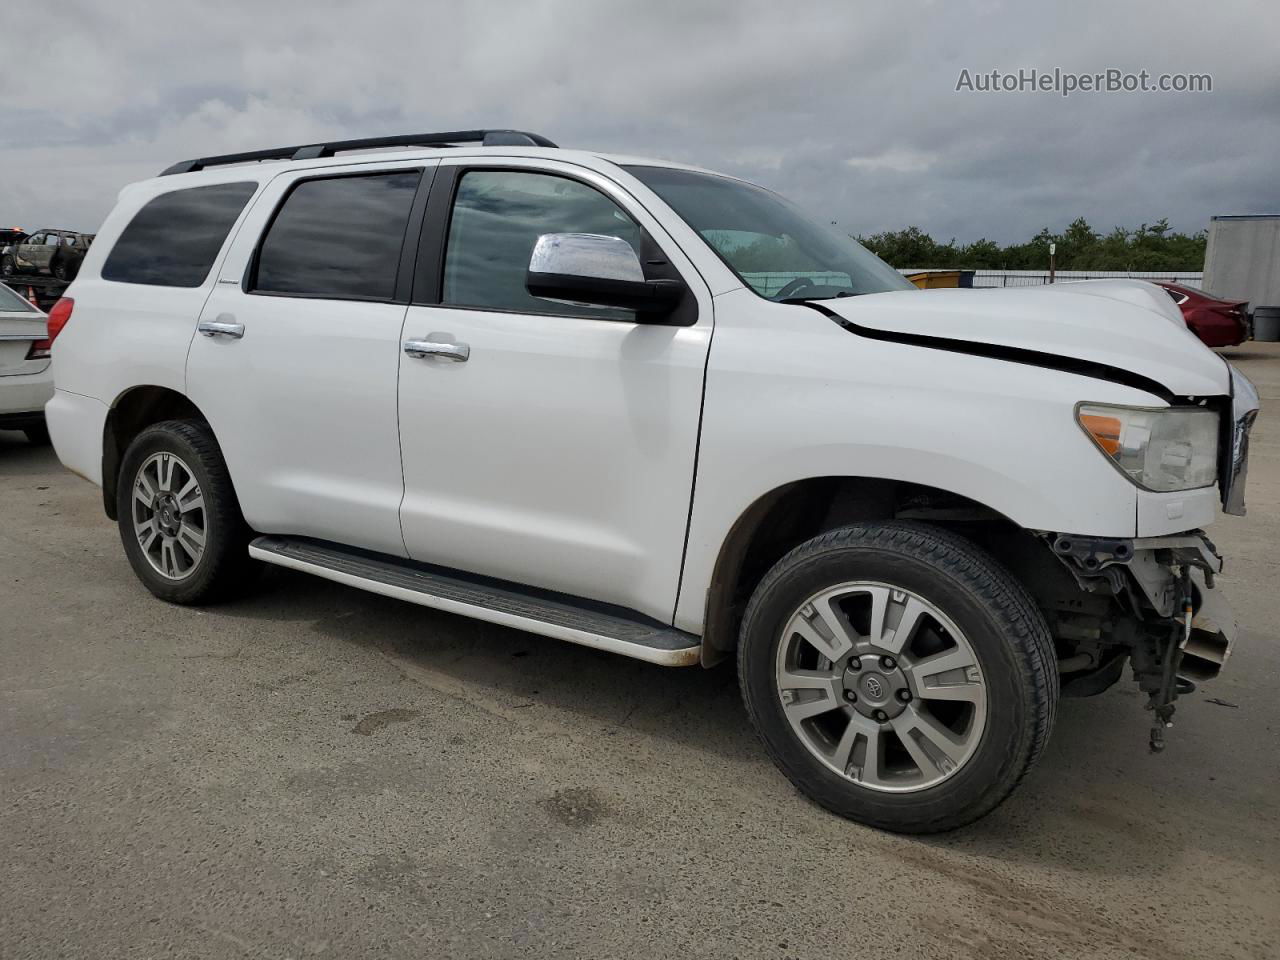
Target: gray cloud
point(848, 108)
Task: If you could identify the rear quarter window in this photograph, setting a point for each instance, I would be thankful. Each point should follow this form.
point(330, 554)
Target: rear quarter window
point(173, 240)
point(11, 302)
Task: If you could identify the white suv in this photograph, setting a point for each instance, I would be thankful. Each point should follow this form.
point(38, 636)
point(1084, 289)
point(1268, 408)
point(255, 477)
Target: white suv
point(655, 410)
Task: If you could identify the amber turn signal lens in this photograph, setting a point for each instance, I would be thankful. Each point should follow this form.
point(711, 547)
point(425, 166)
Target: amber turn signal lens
point(1104, 430)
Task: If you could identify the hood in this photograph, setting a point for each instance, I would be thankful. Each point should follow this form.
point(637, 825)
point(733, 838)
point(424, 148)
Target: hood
point(1124, 330)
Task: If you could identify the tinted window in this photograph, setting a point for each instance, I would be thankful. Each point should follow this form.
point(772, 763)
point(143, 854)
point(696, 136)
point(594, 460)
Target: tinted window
point(173, 240)
point(498, 216)
point(338, 238)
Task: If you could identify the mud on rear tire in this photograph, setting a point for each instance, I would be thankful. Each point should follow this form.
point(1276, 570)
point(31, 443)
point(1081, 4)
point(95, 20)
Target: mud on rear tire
point(993, 614)
point(186, 448)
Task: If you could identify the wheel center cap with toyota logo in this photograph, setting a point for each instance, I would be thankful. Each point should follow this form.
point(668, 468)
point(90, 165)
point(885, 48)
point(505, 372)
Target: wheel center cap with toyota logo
point(874, 687)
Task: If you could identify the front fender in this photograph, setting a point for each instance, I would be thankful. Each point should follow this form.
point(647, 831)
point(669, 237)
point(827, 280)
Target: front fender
point(792, 396)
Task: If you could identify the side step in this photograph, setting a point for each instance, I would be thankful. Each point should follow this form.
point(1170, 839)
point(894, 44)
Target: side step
point(552, 615)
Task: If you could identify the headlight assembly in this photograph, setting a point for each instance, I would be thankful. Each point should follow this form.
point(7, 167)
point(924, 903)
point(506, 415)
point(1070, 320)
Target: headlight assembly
point(1173, 448)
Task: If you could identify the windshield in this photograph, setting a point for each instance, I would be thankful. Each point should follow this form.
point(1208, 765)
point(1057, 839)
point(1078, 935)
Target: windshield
point(776, 250)
point(11, 302)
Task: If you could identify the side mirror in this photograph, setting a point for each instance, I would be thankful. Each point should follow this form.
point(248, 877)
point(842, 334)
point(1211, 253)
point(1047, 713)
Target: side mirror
point(598, 270)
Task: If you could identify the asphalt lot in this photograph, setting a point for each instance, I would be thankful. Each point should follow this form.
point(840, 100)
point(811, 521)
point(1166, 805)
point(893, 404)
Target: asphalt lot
point(316, 771)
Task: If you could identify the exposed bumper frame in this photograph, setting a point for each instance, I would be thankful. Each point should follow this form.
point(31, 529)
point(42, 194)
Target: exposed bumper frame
point(1155, 564)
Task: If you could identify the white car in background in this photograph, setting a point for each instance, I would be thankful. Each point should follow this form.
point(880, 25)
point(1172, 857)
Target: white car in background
point(26, 382)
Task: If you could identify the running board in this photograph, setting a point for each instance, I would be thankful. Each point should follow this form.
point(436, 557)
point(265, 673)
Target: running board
point(551, 615)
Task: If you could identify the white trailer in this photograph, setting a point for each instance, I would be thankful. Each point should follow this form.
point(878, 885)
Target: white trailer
point(1242, 261)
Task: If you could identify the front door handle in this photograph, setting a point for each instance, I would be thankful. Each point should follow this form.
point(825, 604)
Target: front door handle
point(224, 326)
point(438, 345)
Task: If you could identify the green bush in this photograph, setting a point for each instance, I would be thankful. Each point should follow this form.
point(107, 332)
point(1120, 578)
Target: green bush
point(1149, 247)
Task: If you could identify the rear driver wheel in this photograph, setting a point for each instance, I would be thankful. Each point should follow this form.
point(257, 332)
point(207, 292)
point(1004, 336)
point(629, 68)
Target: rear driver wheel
point(898, 675)
point(179, 519)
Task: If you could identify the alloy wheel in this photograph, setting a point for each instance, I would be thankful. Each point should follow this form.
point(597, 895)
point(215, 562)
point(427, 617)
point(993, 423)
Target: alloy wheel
point(169, 517)
point(881, 686)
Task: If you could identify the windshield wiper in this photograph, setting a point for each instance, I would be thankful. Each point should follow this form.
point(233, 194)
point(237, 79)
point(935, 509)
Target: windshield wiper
point(833, 296)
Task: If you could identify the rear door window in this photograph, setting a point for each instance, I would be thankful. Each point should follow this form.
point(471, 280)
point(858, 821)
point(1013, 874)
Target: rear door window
point(338, 238)
point(174, 239)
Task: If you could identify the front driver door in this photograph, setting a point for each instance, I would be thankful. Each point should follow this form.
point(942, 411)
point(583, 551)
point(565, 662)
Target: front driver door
point(26, 253)
point(560, 454)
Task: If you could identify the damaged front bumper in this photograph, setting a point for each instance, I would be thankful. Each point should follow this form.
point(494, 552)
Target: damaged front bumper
point(1151, 572)
point(1178, 630)
point(1157, 566)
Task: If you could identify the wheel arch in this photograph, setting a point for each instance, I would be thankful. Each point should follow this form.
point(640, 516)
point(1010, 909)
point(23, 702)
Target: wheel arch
point(131, 413)
point(792, 513)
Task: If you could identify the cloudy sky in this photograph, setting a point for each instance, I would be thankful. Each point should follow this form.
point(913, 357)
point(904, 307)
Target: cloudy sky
point(848, 107)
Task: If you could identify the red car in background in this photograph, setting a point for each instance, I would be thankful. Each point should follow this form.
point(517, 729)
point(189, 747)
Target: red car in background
point(1218, 323)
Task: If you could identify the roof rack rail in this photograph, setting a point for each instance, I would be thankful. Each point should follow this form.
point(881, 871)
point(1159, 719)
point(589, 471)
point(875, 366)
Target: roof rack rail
point(487, 138)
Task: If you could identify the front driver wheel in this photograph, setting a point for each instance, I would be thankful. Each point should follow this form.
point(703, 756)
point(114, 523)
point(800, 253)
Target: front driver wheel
point(179, 519)
point(898, 675)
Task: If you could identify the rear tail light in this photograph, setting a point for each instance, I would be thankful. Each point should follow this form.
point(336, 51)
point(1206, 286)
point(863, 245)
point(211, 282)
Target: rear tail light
point(58, 317)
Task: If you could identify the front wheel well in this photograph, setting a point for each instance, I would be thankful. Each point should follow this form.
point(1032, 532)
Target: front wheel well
point(133, 412)
point(789, 515)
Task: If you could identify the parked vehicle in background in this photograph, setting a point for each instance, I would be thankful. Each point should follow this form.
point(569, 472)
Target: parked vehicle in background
point(54, 253)
point(10, 236)
point(915, 519)
point(26, 382)
point(1218, 323)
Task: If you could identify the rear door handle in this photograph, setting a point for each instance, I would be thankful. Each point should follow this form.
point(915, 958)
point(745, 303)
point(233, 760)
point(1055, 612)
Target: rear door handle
point(438, 345)
point(224, 326)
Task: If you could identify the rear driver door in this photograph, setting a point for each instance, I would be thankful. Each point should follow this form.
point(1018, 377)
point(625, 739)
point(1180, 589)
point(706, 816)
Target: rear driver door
point(298, 350)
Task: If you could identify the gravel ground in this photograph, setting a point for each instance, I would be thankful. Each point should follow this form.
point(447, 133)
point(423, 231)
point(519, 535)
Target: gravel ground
point(315, 771)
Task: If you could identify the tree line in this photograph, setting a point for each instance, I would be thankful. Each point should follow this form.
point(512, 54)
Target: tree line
point(1150, 247)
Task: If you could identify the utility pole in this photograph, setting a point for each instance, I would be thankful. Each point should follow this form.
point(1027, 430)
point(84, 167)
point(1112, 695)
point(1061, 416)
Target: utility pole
point(1053, 249)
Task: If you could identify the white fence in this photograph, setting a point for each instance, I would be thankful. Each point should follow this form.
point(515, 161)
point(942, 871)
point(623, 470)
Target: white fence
point(1034, 278)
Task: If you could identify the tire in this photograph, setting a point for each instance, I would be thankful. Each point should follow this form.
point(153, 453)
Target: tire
point(37, 436)
point(189, 452)
point(913, 747)
point(60, 270)
point(8, 268)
